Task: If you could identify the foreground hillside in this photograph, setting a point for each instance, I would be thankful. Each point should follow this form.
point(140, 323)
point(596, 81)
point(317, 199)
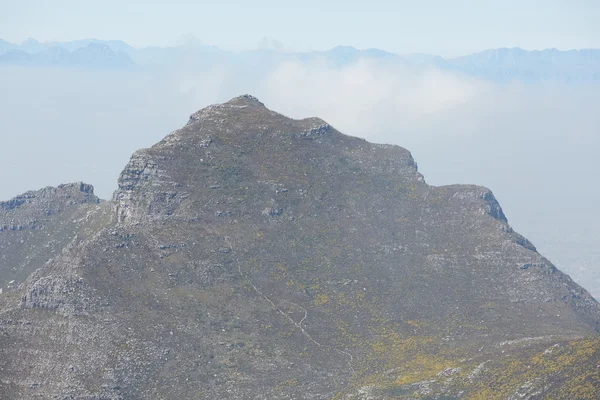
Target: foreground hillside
point(252, 256)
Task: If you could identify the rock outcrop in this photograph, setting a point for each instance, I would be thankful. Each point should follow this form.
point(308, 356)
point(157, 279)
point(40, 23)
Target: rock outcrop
point(35, 226)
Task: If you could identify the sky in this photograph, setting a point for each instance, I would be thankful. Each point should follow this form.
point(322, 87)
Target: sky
point(447, 28)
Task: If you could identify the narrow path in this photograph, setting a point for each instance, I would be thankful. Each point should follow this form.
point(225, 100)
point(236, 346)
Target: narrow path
point(296, 324)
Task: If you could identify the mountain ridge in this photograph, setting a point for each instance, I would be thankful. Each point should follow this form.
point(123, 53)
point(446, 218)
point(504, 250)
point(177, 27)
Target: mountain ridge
point(498, 65)
point(250, 255)
point(94, 54)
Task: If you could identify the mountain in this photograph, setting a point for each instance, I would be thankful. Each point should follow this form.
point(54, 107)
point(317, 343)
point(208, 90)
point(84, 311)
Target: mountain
point(496, 65)
point(31, 45)
point(518, 64)
point(96, 54)
point(115, 45)
point(248, 255)
point(37, 225)
point(341, 56)
point(93, 55)
point(5, 46)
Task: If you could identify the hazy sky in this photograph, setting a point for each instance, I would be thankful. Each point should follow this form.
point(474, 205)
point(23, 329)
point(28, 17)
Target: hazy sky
point(443, 27)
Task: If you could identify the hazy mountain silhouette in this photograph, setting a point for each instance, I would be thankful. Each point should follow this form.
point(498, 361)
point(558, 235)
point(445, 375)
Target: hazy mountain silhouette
point(496, 65)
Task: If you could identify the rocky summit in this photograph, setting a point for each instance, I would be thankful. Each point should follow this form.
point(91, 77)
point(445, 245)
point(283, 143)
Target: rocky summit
point(248, 255)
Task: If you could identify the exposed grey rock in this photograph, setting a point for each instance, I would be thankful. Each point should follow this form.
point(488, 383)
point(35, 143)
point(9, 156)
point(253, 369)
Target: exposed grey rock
point(37, 225)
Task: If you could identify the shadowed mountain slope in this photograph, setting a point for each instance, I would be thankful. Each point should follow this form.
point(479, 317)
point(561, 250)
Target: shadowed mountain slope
point(252, 256)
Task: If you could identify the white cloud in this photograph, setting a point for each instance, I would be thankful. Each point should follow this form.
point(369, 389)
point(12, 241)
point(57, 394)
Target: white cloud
point(365, 98)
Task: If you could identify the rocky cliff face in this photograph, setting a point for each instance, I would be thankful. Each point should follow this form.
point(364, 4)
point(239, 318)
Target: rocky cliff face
point(252, 256)
point(37, 225)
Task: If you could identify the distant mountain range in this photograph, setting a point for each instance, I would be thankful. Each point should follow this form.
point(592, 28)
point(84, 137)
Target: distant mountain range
point(87, 53)
point(496, 65)
point(507, 64)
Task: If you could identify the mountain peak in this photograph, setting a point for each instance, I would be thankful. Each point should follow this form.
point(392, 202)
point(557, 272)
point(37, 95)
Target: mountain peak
point(245, 99)
point(30, 40)
point(236, 103)
point(258, 137)
point(342, 48)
